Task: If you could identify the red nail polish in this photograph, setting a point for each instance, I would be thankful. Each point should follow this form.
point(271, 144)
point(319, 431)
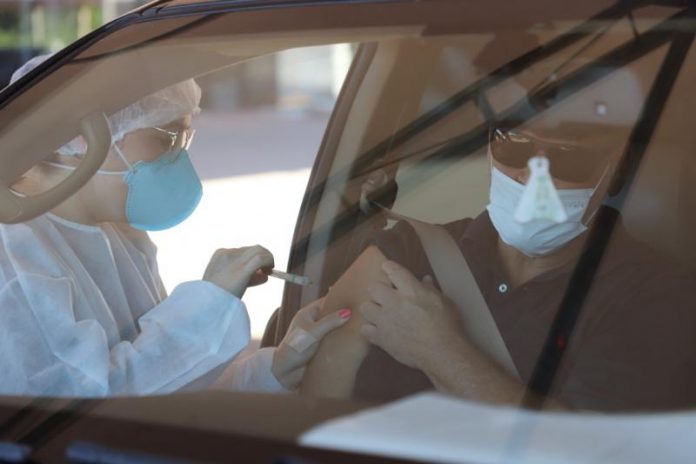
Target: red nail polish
point(345, 313)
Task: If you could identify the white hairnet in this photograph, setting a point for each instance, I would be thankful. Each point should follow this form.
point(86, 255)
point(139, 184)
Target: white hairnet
point(158, 109)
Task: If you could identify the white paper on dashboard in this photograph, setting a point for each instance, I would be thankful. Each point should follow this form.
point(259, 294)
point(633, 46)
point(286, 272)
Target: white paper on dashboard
point(433, 427)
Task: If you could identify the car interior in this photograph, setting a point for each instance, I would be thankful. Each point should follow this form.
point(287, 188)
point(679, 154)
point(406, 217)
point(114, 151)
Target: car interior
point(427, 130)
point(415, 111)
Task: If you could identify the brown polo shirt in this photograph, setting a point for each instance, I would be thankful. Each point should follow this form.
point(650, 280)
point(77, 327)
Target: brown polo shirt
point(633, 348)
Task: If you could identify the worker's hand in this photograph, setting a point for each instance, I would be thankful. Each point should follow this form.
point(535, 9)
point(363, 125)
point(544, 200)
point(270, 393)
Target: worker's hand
point(235, 269)
point(302, 342)
point(409, 319)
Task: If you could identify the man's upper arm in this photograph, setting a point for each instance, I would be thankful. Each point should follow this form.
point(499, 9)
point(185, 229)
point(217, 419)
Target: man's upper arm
point(350, 290)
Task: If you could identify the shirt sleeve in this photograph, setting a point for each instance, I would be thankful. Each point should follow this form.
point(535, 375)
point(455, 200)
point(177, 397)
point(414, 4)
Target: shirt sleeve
point(402, 245)
point(46, 352)
point(252, 373)
point(198, 327)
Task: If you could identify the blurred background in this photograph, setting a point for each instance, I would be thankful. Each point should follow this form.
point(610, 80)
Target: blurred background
point(257, 136)
point(28, 28)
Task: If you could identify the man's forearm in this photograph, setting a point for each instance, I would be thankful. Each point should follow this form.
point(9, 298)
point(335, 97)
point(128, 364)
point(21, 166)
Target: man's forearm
point(333, 370)
point(460, 369)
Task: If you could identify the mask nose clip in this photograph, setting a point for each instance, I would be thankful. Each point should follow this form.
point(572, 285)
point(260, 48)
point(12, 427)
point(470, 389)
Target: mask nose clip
point(540, 199)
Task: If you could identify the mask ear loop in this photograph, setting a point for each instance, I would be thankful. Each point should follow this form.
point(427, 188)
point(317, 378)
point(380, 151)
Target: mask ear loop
point(124, 159)
point(489, 154)
point(595, 201)
point(99, 171)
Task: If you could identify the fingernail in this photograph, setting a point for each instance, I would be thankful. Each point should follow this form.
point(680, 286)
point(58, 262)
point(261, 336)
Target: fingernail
point(388, 266)
point(345, 313)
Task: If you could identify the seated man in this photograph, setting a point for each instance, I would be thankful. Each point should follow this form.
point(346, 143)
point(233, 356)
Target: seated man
point(632, 347)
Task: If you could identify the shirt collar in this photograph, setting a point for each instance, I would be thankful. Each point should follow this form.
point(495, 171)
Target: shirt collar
point(481, 240)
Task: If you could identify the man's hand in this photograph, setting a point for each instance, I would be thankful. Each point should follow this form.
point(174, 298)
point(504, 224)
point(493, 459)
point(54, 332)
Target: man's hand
point(411, 320)
point(420, 327)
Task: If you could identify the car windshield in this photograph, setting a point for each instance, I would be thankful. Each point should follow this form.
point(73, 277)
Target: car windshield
point(356, 211)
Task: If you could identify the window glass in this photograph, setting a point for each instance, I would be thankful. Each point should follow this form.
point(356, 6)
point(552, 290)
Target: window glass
point(530, 186)
point(145, 264)
point(256, 139)
point(550, 178)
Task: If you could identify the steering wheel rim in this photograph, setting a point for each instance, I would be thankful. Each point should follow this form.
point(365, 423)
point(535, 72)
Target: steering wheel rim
point(15, 209)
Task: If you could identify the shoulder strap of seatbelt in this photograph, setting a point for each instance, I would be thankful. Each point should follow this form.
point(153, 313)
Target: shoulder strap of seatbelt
point(458, 283)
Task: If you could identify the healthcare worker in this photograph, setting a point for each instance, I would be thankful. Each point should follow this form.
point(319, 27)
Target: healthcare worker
point(83, 311)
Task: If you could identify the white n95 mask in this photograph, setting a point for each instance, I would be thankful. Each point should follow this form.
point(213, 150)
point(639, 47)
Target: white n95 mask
point(537, 237)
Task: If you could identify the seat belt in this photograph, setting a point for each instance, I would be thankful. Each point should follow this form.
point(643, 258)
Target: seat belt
point(458, 283)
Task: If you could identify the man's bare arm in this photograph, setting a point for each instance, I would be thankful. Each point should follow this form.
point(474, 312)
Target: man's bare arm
point(332, 371)
point(418, 326)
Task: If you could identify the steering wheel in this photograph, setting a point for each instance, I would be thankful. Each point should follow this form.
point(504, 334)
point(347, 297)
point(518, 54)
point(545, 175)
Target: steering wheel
point(15, 209)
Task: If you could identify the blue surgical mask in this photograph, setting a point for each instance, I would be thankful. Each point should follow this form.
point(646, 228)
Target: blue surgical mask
point(161, 193)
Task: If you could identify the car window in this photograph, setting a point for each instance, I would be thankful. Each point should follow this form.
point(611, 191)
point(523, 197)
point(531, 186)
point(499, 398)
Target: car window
point(230, 145)
point(458, 120)
point(498, 212)
point(256, 140)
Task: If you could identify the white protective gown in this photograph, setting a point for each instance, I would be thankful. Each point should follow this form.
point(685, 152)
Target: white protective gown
point(83, 312)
